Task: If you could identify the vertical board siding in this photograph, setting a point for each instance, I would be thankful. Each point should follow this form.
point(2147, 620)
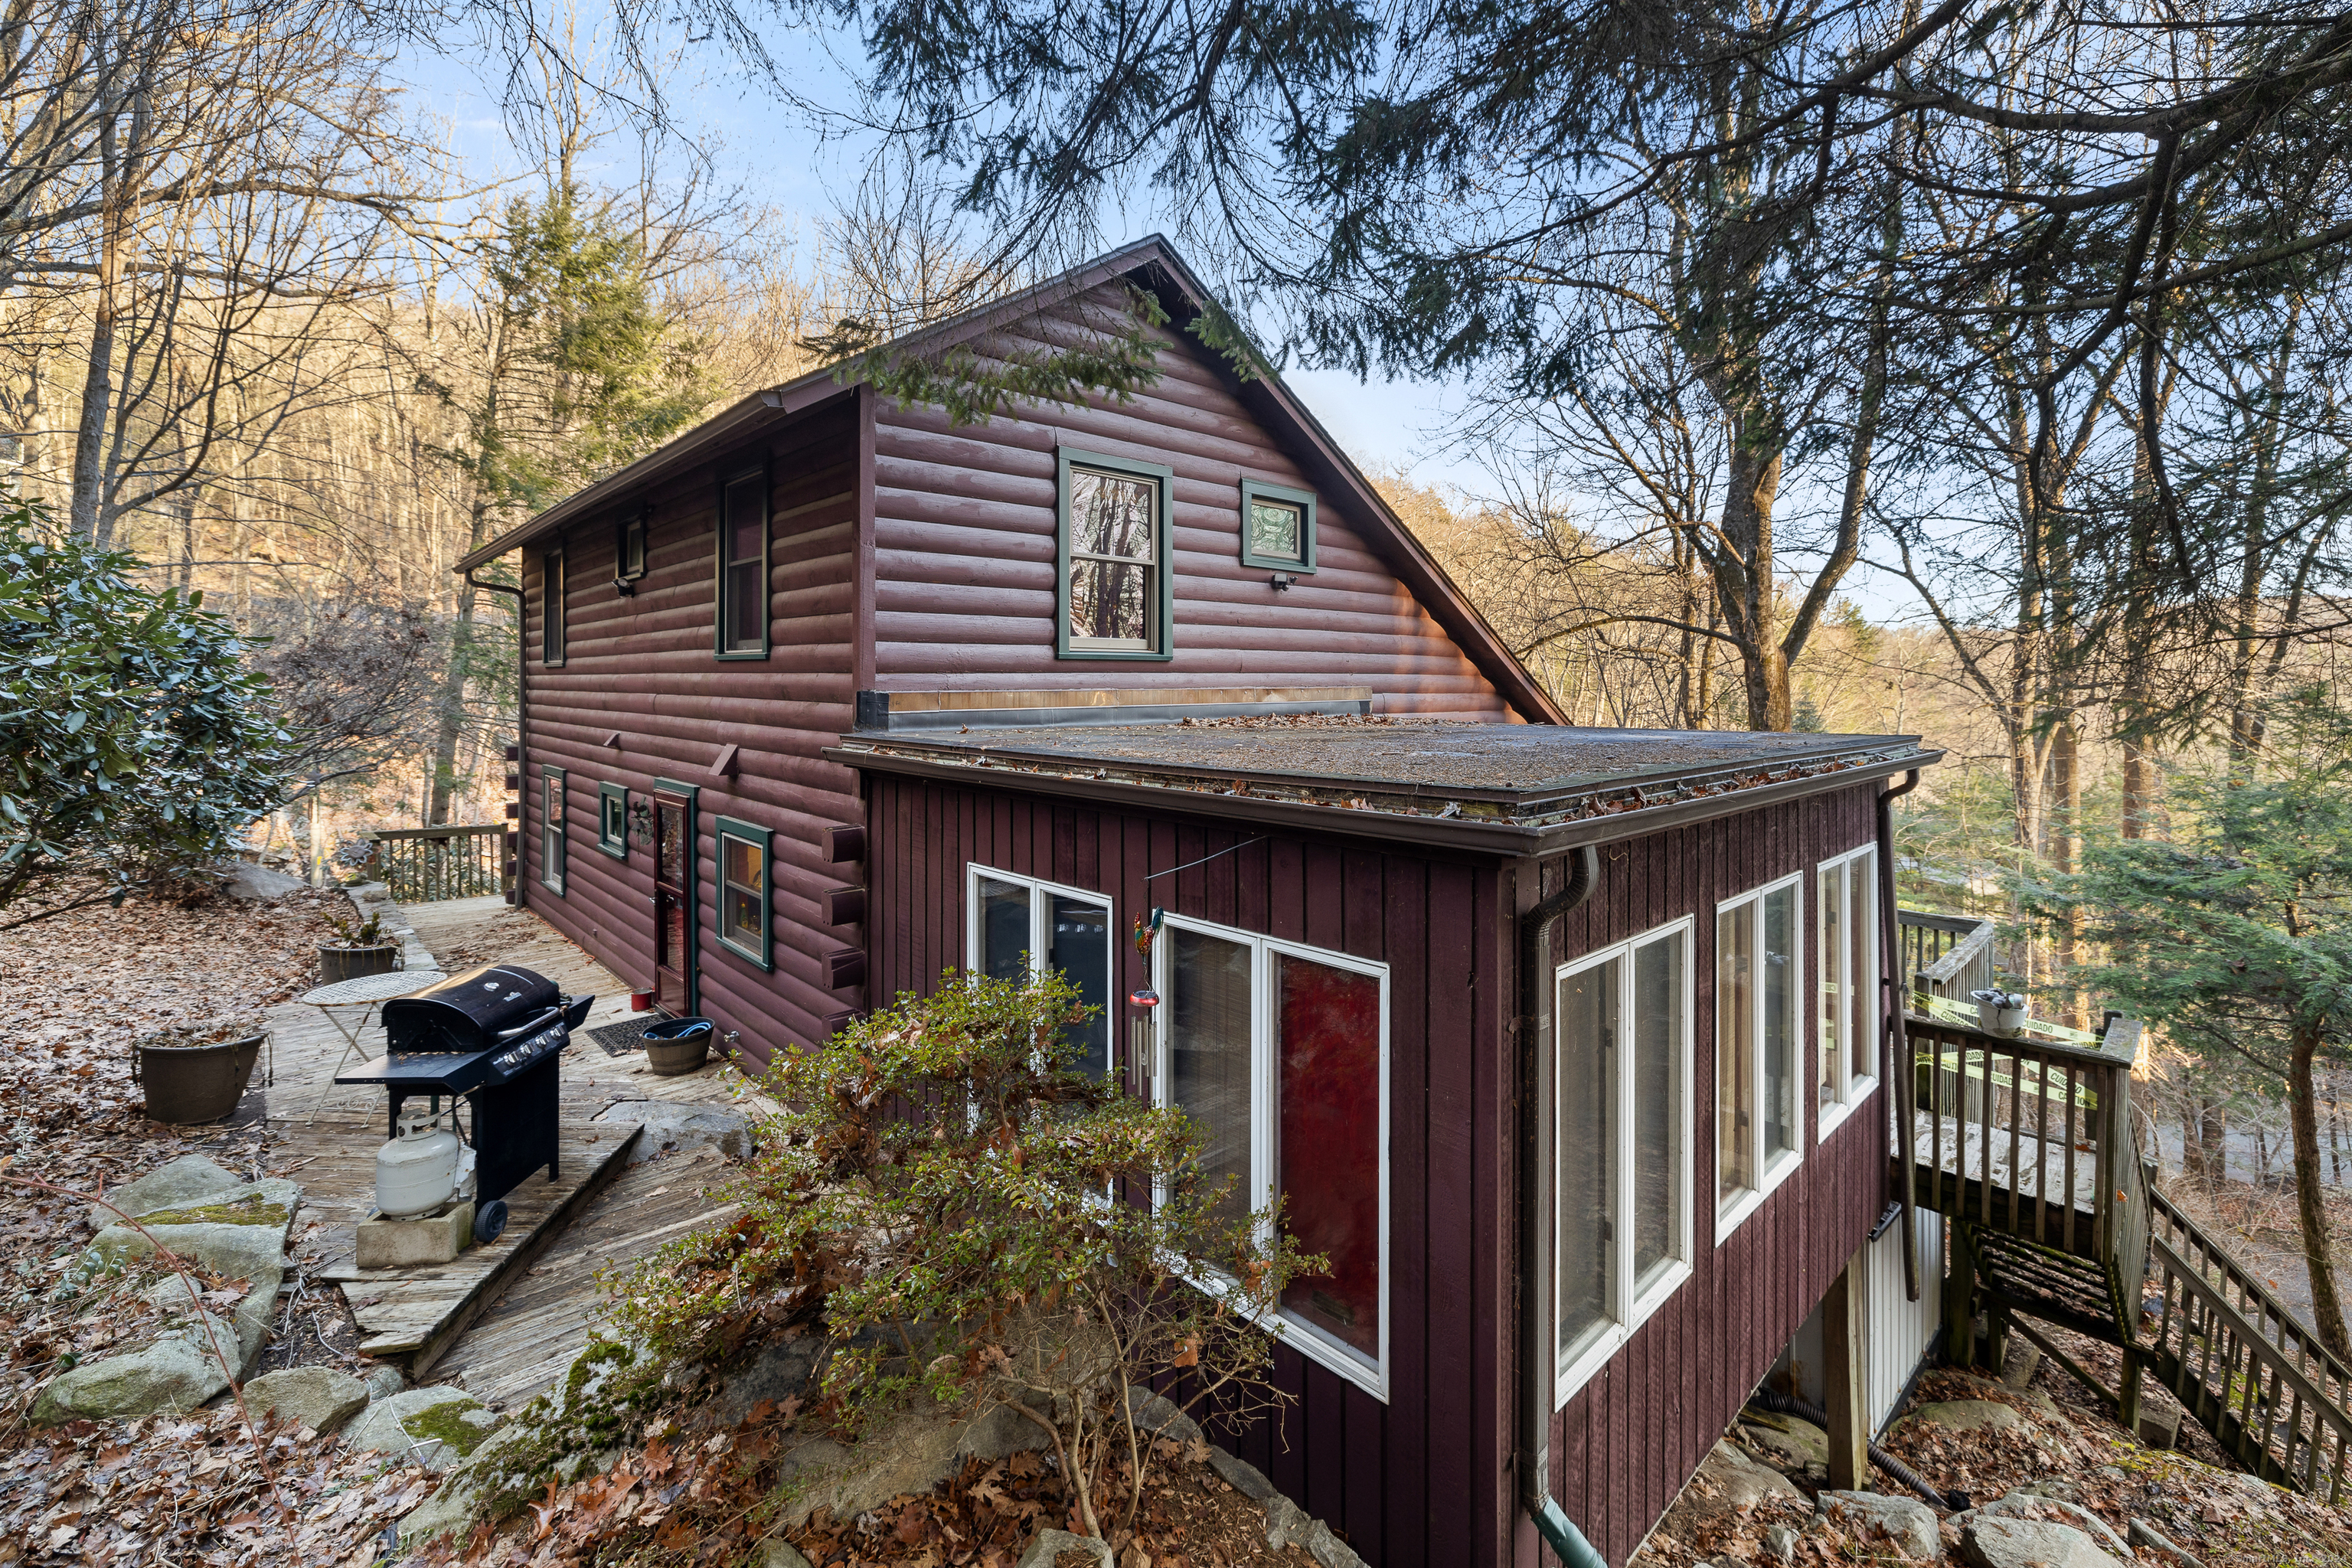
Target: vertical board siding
point(1398, 1478)
point(1627, 1440)
point(965, 577)
point(641, 667)
point(1424, 1479)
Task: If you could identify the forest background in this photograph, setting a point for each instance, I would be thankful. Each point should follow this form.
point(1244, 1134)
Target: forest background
point(2000, 406)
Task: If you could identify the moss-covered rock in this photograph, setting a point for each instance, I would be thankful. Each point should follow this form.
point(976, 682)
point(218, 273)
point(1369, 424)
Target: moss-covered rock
point(438, 1428)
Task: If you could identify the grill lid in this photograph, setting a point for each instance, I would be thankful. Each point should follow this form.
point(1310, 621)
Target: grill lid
point(468, 1012)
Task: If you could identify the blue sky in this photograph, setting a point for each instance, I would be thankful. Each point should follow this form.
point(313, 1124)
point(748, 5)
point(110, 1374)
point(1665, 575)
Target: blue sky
point(777, 155)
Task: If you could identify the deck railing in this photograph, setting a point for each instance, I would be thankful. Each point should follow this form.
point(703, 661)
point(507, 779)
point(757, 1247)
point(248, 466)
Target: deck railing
point(1944, 956)
point(2241, 1364)
point(2033, 1138)
point(422, 865)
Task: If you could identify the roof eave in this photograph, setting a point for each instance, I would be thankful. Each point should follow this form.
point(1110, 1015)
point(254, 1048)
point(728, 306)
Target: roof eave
point(1511, 840)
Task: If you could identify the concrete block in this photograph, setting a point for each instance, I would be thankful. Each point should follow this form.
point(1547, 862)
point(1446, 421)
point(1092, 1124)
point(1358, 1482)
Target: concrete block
point(413, 1243)
point(2017, 1369)
point(2160, 1428)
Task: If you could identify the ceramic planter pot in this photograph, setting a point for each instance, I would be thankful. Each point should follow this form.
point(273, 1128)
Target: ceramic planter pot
point(190, 1084)
point(339, 962)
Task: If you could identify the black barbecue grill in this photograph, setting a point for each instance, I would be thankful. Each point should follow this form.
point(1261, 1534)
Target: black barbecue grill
point(494, 1037)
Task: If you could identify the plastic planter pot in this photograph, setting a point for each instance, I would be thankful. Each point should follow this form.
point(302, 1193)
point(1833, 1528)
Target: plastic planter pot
point(189, 1084)
point(677, 1046)
point(337, 963)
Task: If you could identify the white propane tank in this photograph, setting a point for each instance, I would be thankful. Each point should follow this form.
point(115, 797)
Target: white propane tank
point(416, 1170)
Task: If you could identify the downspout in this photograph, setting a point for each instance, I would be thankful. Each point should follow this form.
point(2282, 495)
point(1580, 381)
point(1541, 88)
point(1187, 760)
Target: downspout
point(1895, 1045)
point(1536, 1356)
point(522, 709)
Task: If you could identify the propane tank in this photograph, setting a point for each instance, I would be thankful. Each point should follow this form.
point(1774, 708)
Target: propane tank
point(417, 1172)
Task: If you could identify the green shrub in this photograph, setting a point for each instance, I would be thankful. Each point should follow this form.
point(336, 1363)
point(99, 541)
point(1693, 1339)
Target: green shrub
point(970, 1218)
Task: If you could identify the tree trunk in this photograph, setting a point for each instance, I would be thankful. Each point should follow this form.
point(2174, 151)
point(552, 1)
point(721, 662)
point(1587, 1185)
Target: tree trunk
point(2311, 1197)
point(87, 509)
point(452, 716)
point(2212, 1140)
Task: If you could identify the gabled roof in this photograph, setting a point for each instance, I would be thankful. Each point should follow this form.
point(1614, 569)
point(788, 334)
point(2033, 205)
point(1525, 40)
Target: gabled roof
point(1151, 264)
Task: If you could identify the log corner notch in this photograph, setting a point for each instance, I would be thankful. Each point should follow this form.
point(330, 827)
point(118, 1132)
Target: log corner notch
point(844, 844)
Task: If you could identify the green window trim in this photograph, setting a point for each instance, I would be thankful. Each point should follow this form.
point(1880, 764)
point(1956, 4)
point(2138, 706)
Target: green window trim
point(730, 890)
point(554, 830)
point(612, 820)
point(629, 545)
point(551, 628)
point(1161, 602)
point(1303, 563)
point(720, 563)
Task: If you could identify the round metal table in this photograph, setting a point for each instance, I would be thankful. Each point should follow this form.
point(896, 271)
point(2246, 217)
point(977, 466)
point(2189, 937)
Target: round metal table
point(354, 1000)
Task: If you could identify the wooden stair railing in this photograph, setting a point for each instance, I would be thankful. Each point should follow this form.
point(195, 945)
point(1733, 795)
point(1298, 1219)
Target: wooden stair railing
point(2243, 1364)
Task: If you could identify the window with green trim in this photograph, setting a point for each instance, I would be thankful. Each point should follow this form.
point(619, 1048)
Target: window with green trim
point(1278, 527)
point(743, 567)
point(744, 880)
point(551, 829)
point(612, 820)
point(1115, 598)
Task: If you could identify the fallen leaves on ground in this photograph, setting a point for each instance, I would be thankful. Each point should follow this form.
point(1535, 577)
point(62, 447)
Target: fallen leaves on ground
point(709, 1497)
point(194, 1490)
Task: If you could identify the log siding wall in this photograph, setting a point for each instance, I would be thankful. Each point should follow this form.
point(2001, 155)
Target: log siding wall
point(1628, 1439)
point(965, 574)
point(641, 667)
point(1426, 1479)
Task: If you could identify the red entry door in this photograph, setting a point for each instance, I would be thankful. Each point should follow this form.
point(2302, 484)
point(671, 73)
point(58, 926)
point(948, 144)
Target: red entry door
point(673, 902)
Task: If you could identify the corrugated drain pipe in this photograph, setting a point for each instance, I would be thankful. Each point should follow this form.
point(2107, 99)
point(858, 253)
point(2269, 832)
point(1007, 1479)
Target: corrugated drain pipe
point(522, 709)
point(1535, 1197)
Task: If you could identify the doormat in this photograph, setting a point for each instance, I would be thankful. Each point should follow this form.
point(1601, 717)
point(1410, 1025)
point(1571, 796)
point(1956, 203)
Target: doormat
point(619, 1039)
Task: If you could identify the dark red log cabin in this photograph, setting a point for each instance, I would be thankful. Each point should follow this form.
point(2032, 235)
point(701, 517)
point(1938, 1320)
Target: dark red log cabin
point(835, 695)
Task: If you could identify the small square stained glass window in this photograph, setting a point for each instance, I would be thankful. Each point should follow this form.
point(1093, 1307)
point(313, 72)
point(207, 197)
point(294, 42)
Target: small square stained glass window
point(1276, 528)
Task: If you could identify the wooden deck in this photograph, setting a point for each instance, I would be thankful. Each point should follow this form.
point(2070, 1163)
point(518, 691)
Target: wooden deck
point(424, 1318)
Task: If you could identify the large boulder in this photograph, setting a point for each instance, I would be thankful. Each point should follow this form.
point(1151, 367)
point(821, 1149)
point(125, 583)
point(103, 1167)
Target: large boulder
point(673, 1128)
point(1968, 1415)
point(1992, 1541)
point(190, 1179)
point(1910, 1524)
point(175, 1373)
point(779, 1371)
point(245, 880)
point(911, 1451)
point(2031, 1504)
point(438, 1428)
point(465, 1488)
point(1787, 1442)
point(320, 1397)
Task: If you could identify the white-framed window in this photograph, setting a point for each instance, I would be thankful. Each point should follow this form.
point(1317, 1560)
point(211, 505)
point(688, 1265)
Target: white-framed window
point(1019, 926)
point(1280, 1053)
point(1847, 1053)
point(1621, 1142)
point(553, 846)
point(1760, 940)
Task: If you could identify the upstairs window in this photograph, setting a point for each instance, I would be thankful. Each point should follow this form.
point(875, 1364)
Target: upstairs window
point(1115, 596)
point(1621, 1143)
point(743, 567)
point(550, 607)
point(1758, 1046)
point(1021, 927)
point(1851, 1006)
point(1277, 527)
point(629, 548)
point(1279, 1054)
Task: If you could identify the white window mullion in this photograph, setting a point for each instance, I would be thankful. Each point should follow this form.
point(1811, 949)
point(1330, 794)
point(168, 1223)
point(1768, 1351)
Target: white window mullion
point(1628, 1135)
